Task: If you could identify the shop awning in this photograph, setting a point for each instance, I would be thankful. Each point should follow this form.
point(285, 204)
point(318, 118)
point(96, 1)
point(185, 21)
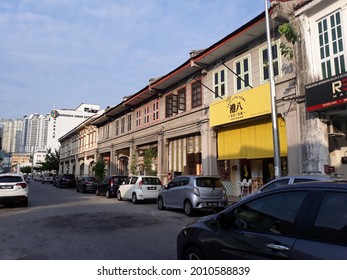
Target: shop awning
point(251, 140)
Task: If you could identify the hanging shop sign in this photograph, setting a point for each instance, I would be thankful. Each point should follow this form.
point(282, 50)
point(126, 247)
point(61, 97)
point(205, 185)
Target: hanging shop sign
point(326, 93)
point(241, 106)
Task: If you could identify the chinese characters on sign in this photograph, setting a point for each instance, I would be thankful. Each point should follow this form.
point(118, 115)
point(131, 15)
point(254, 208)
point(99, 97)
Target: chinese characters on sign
point(236, 107)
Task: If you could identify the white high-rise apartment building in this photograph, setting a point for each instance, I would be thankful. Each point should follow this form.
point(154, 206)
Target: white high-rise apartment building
point(35, 132)
point(12, 136)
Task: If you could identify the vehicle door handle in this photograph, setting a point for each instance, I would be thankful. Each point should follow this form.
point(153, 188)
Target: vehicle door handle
point(277, 247)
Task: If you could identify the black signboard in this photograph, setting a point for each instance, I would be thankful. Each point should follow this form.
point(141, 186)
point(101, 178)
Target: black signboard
point(326, 93)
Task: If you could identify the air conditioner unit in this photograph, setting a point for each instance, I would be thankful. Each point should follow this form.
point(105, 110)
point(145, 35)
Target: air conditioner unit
point(334, 132)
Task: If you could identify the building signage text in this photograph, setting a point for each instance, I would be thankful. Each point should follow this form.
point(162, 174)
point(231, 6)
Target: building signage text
point(326, 93)
point(55, 114)
point(241, 106)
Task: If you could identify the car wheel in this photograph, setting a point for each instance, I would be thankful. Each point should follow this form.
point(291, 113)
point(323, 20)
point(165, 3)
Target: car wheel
point(134, 198)
point(97, 193)
point(108, 194)
point(188, 208)
point(119, 196)
point(42, 182)
point(160, 203)
point(77, 190)
point(193, 253)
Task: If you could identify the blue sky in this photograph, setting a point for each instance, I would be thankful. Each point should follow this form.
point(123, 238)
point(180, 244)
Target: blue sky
point(61, 53)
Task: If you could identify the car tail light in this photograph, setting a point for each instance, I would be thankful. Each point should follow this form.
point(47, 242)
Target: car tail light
point(140, 184)
point(23, 185)
point(196, 191)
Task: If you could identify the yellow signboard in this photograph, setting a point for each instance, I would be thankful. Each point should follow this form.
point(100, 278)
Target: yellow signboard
point(241, 106)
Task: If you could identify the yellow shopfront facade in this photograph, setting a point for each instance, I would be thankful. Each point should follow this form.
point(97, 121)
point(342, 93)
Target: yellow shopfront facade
point(245, 138)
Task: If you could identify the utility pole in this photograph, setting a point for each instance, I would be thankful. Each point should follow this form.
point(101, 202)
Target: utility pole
point(277, 157)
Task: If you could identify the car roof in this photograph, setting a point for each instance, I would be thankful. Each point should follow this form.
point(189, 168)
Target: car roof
point(197, 176)
point(331, 184)
point(147, 176)
point(11, 174)
point(310, 177)
point(317, 177)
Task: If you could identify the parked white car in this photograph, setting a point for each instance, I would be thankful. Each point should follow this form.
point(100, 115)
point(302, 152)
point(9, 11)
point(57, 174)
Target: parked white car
point(139, 188)
point(47, 178)
point(14, 189)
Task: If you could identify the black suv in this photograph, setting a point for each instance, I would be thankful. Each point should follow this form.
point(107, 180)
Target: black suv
point(109, 186)
point(300, 221)
point(66, 180)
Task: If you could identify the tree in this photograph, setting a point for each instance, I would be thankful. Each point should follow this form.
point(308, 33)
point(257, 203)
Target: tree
point(148, 159)
point(51, 162)
point(99, 169)
point(25, 169)
point(291, 36)
point(133, 165)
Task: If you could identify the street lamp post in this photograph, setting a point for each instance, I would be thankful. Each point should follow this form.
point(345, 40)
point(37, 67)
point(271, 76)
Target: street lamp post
point(32, 165)
point(277, 157)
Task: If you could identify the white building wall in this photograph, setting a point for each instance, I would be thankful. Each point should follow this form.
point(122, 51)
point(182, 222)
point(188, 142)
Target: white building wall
point(62, 121)
point(318, 9)
point(315, 141)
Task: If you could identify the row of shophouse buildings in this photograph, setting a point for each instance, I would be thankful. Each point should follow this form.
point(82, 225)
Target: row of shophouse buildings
point(212, 114)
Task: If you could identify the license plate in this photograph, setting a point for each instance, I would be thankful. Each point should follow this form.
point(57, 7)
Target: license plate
point(212, 203)
point(151, 188)
point(6, 187)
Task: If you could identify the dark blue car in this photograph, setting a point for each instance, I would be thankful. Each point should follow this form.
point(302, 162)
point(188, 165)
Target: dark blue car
point(109, 185)
point(300, 221)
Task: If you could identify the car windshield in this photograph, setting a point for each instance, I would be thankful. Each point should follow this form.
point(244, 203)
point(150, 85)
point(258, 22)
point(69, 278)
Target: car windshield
point(10, 179)
point(150, 181)
point(209, 182)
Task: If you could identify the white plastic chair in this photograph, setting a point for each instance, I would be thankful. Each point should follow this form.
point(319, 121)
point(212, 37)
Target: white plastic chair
point(244, 187)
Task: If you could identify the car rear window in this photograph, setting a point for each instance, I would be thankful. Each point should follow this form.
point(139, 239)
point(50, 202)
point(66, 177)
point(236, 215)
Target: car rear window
point(68, 176)
point(90, 179)
point(209, 182)
point(10, 179)
point(150, 181)
point(119, 180)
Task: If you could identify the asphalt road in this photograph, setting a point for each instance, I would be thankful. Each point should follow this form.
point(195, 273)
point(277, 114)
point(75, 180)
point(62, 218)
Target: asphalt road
point(61, 224)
